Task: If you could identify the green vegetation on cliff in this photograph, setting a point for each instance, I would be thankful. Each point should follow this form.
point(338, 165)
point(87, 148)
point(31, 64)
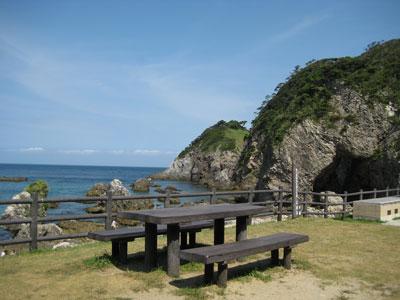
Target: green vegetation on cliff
point(375, 75)
point(223, 136)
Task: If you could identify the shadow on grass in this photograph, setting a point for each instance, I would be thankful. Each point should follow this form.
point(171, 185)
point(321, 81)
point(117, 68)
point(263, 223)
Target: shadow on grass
point(233, 273)
point(136, 261)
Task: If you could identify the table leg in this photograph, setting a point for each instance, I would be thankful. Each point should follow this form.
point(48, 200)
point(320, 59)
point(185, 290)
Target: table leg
point(241, 228)
point(219, 231)
point(173, 249)
point(184, 243)
point(150, 255)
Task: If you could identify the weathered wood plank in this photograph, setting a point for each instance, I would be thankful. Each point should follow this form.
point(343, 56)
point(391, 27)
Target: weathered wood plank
point(130, 233)
point(189, 214)
point(226, 252)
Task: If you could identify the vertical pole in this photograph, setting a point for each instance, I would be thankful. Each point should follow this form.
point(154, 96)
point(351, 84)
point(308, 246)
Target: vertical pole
point(219, 231)
point(287, 257)
point(173, 249)
point(280, 199)
point(326, 207)
point(344, 205)
point(294, 191)
point(150, 245)
point(251, 195)
point(34, 223)
point(108, 210)
point(387, 191)
point(361, 194)
point(213, 197)
point(374, 193)
point(241, 228)
point(304, 205)
point(167, 200)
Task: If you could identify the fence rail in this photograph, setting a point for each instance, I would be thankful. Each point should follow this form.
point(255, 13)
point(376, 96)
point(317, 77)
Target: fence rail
point(292, 207)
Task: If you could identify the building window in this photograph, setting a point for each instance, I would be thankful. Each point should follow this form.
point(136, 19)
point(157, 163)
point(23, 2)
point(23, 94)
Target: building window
point(396, 210)
point(389, 212)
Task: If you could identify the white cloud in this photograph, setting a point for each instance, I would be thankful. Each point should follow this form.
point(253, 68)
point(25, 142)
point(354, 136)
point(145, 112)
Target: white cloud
point(80, 152)
point(32, 149)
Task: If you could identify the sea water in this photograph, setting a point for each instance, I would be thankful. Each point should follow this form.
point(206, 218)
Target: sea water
point(75, 181)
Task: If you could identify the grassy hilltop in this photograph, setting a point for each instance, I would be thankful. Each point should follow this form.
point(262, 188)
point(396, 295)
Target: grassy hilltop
point(223, 136)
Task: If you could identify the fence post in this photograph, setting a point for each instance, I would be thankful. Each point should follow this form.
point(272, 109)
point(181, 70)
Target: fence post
point(213, 199)
point(326, 207)
point(304, 205)
point(34, 223)
point(375, 193)
point(361, 194)
point(108, 210)
point(280, 199)
point(344, 205)
point(387, 191)
point(251, 195)
point(167, 201)
point(294, 191)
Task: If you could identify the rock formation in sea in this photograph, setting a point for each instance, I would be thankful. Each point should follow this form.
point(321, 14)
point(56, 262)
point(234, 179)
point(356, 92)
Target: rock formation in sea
point(336, 119)
point(118, 189)
point(211, 158)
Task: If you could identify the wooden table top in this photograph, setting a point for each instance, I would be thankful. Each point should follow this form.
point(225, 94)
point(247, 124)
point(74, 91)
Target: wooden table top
point(188, 214)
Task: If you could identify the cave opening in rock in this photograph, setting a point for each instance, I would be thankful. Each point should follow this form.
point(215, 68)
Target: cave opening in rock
point(349, 172)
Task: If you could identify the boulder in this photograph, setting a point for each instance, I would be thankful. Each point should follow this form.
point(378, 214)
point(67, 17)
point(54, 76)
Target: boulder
point(20, 211)
point(334, 199)
point(118, 189)
point(98, 190)
point(115, 186)
point(50, 229)
point(141, 185)
point(63, 245)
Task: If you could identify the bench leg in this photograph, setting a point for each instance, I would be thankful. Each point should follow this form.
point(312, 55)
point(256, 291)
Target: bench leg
point(219, 231)
point(287, 257)
point(275, 257)
point(115, 249)
point(184, 240)
point(222, 276)
point(208, 273)
point(173, 249)
point(123, 252)
point(241, 228)
point(150, 253)
point(192, 239)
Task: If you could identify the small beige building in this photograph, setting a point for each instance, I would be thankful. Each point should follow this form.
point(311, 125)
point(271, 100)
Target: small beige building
point(382, 209)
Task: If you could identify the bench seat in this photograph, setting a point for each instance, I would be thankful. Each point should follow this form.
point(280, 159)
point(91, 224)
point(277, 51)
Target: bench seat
point(119, 237)
point(223, 253)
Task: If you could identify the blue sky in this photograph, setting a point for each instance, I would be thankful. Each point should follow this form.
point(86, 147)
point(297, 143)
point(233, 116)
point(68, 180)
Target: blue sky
point(131, 83)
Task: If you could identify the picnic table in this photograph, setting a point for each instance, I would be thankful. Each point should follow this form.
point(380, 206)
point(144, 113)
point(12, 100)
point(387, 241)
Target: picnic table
point(172, 217)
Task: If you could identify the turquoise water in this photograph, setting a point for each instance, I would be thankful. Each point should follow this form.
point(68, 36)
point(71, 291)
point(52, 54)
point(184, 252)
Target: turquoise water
point(75, 181)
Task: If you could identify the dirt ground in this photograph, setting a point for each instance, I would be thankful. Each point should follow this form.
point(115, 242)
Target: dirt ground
point(301, 285)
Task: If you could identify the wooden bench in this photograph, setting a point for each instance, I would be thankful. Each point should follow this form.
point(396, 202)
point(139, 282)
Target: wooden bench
point(120, 237)
point(223, 253)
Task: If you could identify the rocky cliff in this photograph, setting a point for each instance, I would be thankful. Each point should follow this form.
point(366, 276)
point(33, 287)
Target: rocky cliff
point(211, 158)
point(337, 119)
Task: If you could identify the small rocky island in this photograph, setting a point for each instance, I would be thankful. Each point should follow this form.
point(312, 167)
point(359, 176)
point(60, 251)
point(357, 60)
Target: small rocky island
point(337, 119)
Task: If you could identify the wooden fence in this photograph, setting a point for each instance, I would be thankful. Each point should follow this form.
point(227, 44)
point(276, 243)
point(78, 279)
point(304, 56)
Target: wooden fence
point(288, 202)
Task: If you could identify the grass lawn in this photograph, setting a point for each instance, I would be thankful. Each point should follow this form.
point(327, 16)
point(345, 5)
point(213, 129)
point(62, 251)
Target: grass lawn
point(338, 251)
